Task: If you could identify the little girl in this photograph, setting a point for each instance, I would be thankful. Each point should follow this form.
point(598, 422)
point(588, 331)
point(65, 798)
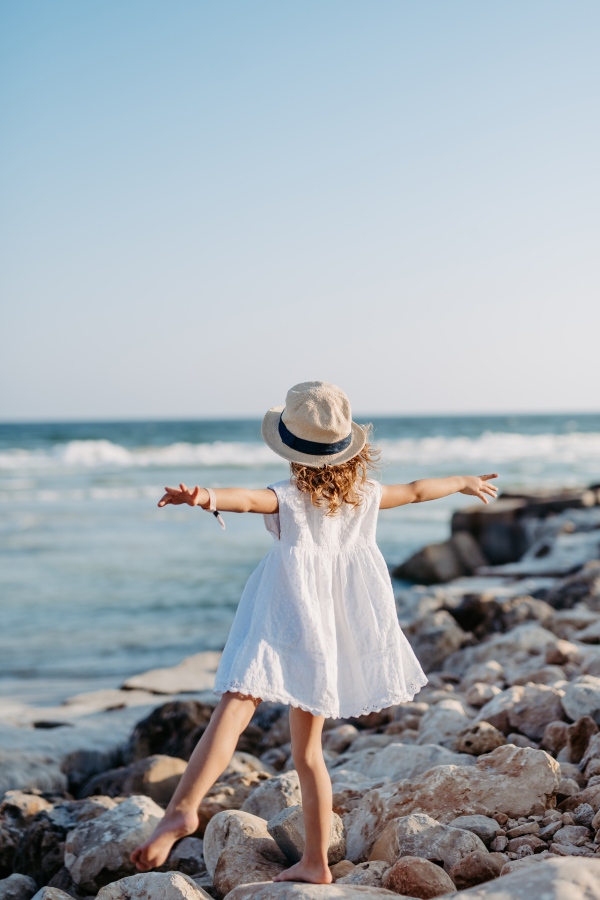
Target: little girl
point(316, 626)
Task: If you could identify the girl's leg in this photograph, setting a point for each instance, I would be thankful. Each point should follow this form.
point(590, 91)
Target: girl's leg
point(209, 759)
point(315, 785)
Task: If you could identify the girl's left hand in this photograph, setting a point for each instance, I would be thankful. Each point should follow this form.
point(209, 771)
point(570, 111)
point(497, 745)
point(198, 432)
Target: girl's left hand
point(180, 495)
point(479, 486)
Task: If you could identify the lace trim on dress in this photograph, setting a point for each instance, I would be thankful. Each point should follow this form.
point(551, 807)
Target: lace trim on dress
point(275, 697)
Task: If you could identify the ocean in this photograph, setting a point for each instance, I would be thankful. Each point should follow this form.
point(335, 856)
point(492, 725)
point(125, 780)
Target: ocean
point(97, 583)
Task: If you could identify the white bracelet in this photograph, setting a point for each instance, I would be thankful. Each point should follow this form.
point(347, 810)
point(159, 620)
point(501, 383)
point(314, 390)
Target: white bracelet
point(212, 506)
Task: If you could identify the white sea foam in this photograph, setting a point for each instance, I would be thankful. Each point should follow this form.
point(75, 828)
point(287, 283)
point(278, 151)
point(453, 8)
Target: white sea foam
point(577, 448)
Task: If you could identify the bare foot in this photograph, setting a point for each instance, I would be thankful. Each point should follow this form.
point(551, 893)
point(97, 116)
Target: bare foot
point(316, 874)
point(155, 850)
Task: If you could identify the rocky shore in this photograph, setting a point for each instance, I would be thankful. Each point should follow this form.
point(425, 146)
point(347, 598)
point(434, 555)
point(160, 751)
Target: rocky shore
point(485, 787)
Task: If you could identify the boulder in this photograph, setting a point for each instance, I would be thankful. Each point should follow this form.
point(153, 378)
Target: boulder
point(569, 623)
point(592, 752)
point(287, 830)
point(243, 764)
point(552, 675)
point(194, 673)
point(528, 708)
point(339, 739)
point(172, 729)
point(417, 877)
point(398, 761)
point(289, 890)
point(479, 738)
point(510, 780)
point(578, 738)
point(238, 849)
point(40, 852)
point(442, 723)
point(556, 735)
point(529, 638)
point(273, 795)
point(51, 893)
point(572, 835)
point(341, 869)
point(30, 772)
point(229, 794)
point(484, 827)
point(476, 868)
point(435, 637)
point(187, 856)
point(420, 835)
point(153, 886)
point(369, 873)
point(582, 697)
point(17, 887)
point(496, 528)
point(17, 811)
point(97, 852)
point(156, 777)
point(483, 673)
point(439, 563)
point(561, 653)
point(480, 694)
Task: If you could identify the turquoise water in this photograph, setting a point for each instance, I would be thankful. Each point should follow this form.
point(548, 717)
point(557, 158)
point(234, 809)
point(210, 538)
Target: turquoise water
point(97, 583)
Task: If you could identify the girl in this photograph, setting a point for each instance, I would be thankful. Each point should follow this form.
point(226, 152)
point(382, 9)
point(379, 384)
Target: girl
point(316, 626)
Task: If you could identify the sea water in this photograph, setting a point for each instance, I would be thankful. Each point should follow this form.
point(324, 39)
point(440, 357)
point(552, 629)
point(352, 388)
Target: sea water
point(97, 583)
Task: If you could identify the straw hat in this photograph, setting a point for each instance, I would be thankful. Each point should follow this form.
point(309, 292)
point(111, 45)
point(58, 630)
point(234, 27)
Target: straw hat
point(315, 426)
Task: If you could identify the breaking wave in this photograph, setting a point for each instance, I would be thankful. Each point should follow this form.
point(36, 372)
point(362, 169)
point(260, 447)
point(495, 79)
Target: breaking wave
point(502, 447)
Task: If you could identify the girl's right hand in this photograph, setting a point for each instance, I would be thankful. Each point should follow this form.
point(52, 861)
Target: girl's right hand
point(180, 495)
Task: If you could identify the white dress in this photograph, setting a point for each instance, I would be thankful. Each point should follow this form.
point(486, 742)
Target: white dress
point(316, 626)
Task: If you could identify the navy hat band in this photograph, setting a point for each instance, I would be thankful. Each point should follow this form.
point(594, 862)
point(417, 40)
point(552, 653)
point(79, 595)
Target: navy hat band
point(311, 448)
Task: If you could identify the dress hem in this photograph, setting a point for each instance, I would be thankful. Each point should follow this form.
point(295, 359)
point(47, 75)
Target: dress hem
point(275, 697)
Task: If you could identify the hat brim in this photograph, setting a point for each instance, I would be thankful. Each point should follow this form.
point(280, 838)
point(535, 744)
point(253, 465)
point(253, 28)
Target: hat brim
point(271, 437)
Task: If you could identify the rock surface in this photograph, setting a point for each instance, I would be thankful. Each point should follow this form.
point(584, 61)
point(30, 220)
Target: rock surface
point(156, 777)
point(287, 830)
point(550, 879)
point(509, 780)
point(97, 852)
point(153, 886)
point(416, 877)
point(273, 795)
point(476, 868)
point(294, 891)
point(238, 849)
point(17, 887)
point(420, 835)
point(369, 873)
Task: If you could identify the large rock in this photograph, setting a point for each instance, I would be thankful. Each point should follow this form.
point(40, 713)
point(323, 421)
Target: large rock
point(194, 673)
point(288, 890)
point(548, 879)
point(156, 777)
point(439, 563)
point(582, 697)
point(17, 811)
point(40, 852)
point(435, 637)
point(229, 794)
point(420, 835)
point(51, 893)
point(30, 772)
point(187, 856)
point(97, 852)
point(479, 738)
point(287, 830)
point(273, 795)
point(238, 849)
point(154, 886)
point(510, 780)
point(172, 729)
point(398, 761)
point(369, 873)
point(417, 877)
point(476, 868)
point(527, 639)
point(484, 827)
point(17, 887)
point(442, 723)
point(527, 708)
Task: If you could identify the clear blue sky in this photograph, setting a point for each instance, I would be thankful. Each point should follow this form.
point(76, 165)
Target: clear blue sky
point(205, 202)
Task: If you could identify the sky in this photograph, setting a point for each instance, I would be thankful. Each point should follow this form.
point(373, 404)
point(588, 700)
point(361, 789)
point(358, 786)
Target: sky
point(204, 203)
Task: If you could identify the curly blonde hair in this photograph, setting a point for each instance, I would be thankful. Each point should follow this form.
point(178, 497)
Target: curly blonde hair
point(332, 486)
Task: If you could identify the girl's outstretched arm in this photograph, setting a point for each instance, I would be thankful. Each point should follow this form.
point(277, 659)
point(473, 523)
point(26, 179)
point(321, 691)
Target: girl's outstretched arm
point(228, 499)
point(433, 488)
